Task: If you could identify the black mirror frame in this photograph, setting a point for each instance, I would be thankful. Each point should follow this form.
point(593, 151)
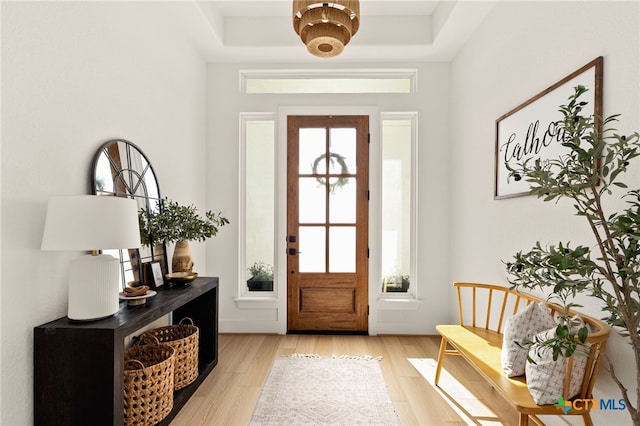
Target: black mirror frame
point(129, 182)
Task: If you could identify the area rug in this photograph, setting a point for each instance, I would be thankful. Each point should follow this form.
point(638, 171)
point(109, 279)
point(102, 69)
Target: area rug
point(313, 390)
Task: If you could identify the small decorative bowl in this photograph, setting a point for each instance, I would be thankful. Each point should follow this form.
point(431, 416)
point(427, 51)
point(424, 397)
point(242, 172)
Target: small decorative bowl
point(137, 300)
point(181, 277)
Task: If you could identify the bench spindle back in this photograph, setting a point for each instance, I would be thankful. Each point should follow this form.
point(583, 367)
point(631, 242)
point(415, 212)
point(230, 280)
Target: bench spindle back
point(492, 305)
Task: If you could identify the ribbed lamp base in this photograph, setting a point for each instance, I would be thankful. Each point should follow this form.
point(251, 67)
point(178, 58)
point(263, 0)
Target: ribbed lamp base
point(93, 287)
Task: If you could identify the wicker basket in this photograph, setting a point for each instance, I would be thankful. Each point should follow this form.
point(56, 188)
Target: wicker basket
point(184, 339)
point(148, 384)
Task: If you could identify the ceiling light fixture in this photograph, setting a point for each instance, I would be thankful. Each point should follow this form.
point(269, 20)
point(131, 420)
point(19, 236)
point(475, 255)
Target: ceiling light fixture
point(325, 28)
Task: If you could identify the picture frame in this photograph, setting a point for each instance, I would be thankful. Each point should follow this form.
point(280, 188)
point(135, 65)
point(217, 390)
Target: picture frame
point(153, 276)
point(529, 130)
point(135, 263)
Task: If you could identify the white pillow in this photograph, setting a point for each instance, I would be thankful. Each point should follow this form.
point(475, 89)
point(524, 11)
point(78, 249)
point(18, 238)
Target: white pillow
point(524, 325)
point(545, 378)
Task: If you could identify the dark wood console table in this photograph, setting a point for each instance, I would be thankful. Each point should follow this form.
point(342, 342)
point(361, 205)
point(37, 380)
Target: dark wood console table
point(78, 366)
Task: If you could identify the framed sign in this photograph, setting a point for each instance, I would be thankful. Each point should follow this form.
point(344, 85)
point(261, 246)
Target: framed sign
point(529, 130)
point(153, 275)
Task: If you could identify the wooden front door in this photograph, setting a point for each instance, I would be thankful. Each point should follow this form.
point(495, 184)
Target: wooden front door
point(327, 223)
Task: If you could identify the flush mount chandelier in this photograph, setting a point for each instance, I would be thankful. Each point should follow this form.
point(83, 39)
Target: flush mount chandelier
point(325, 28)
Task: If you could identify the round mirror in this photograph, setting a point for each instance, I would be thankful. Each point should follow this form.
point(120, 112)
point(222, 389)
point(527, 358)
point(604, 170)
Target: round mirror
point(120, 168)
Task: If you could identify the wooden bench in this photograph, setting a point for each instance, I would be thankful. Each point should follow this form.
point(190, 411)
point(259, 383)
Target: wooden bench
point(478, 339)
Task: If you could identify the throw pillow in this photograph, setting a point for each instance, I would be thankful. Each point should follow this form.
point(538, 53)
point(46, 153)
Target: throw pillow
point(524, 325)
point(545, 378)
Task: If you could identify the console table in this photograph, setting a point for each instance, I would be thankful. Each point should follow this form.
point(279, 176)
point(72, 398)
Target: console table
point(79, 366)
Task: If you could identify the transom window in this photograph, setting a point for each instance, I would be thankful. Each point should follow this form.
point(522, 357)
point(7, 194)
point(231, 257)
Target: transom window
point(311, 81)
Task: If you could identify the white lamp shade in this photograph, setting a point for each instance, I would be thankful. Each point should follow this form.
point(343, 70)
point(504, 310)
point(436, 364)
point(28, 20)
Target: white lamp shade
point(91, 222)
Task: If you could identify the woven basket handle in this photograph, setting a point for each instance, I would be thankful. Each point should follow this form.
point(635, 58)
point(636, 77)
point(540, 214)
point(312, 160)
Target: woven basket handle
point(147, 339)
point(133, 361)
point(186, 318)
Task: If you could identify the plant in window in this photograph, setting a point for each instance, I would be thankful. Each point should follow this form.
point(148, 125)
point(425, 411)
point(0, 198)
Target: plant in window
point(395, 282)
point(261, 277)
point(587, 175)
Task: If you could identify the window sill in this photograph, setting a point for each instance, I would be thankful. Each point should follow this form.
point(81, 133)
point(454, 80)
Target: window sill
point(397, 304)
point(251, 302)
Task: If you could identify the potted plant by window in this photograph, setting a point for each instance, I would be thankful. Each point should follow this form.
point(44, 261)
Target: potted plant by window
point(261, 277)
point(395, 283)
point(174, 223)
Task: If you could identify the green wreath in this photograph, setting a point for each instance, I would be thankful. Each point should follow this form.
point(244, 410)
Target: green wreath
point(344, 170)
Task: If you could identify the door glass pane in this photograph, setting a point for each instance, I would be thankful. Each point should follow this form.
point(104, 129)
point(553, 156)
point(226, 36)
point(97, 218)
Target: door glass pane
point(342, 249)
point(312, 147)
point(312, 249)
point(342, 200)
point(342, 148)
point(312, 196)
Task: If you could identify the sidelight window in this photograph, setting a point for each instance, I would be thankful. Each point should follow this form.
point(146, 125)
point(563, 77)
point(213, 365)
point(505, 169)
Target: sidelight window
point(258, 198)
point(398, 201)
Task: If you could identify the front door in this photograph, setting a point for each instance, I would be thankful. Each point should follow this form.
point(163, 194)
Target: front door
point(327, 223)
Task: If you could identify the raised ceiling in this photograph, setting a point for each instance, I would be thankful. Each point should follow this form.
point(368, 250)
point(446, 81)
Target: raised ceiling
point(390, 31)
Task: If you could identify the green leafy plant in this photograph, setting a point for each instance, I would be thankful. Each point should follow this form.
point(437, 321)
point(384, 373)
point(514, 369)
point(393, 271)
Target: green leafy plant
point(569, 339)
point(587, 175)
point(395, 281)
point(261, 271)
point(173, 222)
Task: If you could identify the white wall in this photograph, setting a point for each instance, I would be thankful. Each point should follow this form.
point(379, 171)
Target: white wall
point(519, 50)
point(73, 76)
point(77, 74)
point(431, 104)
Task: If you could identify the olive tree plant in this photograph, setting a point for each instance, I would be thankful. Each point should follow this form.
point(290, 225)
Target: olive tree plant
point(590, 175)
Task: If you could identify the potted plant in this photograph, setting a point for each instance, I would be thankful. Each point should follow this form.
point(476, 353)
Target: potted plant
point(587, 175)
point(395, 283)
point(175, 223)
point(261, 277)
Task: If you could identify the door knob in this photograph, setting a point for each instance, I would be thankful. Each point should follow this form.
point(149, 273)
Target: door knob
point(293, 252)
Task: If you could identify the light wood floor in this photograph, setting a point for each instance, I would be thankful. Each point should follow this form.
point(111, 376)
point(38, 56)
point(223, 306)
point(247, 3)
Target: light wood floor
point(228, 396)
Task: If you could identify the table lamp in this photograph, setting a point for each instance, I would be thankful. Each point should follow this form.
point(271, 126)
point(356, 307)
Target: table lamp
point(92, 223)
